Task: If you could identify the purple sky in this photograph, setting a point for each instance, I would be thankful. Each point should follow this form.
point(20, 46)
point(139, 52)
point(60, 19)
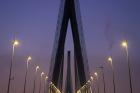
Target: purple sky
point(34, 24)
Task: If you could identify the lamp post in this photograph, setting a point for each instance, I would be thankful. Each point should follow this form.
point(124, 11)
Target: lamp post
point(96, 75)
point(88, 86)
point(15, 43)
point(124, 44)
point(40, 81)
point(46, 78)
point(37, 68)
point(112, 67)
point(28, 60)
point(102, 69)
point(92, 79)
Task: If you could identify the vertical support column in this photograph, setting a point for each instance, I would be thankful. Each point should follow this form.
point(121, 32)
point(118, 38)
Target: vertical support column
point(60, 80)
point(68, 85)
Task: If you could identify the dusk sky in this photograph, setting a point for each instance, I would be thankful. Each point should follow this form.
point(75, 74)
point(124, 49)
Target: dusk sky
point(105, 22)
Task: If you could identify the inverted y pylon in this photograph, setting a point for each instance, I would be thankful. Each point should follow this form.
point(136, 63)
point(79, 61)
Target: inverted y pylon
point(69, 10)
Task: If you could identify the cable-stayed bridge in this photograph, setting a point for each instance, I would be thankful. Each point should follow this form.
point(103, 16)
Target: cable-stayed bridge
point(69, 11)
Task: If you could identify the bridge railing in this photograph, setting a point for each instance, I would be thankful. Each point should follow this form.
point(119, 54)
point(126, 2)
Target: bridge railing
point(85, 89)
point(53, 88)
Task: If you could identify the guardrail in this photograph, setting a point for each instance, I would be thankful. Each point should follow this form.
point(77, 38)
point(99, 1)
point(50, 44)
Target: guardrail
point(53, 88)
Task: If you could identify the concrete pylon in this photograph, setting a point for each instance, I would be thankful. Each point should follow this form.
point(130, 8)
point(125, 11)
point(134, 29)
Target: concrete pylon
point(69, 11)
point(68, 83)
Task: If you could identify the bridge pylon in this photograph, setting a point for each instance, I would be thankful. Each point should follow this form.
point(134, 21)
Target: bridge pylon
point(69, 11)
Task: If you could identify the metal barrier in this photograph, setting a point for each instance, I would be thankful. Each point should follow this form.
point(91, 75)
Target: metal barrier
point(85, 89)
point(53, 88)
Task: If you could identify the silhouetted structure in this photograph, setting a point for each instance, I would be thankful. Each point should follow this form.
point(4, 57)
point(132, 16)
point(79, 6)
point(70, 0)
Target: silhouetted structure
point(69, 10)
point(68, 84)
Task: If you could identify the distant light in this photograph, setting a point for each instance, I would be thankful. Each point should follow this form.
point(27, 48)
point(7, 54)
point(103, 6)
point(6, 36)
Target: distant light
point(15, 43)
point(88, 81)
point(42, 74)
point(29, 58)
point(96, 74)
point(51, 83)
point(124, 44)
point(91, 78)
point(37, 67)
point(110, 59)
point(46, 77)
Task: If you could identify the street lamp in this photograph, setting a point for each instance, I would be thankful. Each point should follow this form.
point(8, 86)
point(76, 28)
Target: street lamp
point(102, 69)
point(40, 81)
point(37, 68)
point(96, 75)
point(88, 86)
point(89, 81)
point(112, 67)
point(110, 60)
point(14, 44)
point(91, 77)
point(46, 78)
point(28, 60)
point(124, 44)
